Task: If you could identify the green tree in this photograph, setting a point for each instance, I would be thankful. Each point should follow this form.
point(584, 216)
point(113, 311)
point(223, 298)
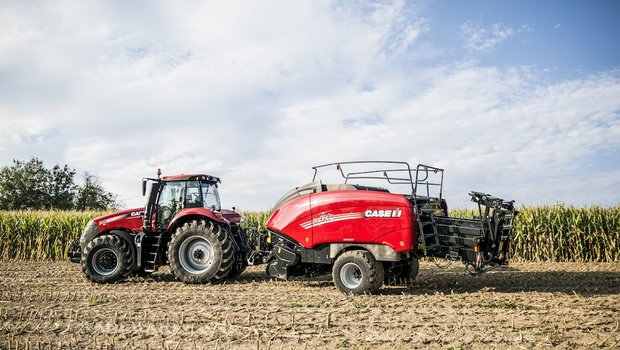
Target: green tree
point(30, 185)
point(25, 185)
point(62, 189)
point(92, 196)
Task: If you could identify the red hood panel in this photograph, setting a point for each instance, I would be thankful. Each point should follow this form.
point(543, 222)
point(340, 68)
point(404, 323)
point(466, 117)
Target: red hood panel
point(126, 219)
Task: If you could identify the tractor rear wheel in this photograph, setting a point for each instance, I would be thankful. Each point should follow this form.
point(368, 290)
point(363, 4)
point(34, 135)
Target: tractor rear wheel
point(357, 272)
point(106, 259)
point(237, 267)
point(200, 252)
point(401, 272)
point(140, 272)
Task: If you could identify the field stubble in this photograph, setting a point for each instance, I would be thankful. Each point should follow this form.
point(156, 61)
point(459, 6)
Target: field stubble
point(47, 305)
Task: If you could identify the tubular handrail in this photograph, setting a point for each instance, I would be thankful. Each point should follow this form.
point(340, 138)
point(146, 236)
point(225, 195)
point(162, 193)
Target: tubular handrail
point(394, 172)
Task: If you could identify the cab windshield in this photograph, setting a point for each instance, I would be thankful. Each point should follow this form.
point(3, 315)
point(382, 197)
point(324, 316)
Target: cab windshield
point(210, 196)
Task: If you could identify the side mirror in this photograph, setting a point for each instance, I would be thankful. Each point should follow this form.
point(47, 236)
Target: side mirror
point(143, 187)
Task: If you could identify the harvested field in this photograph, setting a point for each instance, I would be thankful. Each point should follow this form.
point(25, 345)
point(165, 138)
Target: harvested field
point(530, 305)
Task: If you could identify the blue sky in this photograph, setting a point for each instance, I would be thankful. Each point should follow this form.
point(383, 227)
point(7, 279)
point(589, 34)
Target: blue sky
point(567, 36)
point(517, 98)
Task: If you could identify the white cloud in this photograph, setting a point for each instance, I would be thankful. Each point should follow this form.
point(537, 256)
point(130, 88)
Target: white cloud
point(258, 96)
point(479, 39)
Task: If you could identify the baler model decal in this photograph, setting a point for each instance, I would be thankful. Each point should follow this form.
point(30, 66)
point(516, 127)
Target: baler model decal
point(327, 218)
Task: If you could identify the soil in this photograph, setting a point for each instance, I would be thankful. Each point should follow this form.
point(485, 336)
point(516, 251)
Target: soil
point(45, 305)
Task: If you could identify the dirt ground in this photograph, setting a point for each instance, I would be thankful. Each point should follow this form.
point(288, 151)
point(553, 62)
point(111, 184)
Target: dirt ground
point(529, 305)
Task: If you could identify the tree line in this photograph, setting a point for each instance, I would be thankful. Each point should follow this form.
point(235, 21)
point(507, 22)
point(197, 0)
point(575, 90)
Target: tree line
point(30, 185)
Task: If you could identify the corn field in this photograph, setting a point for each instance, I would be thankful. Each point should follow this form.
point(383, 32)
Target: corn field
point(40, 235)
point(545, 233)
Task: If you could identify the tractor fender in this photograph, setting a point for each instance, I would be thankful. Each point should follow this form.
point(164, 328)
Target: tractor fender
point(381, 252)
point(183, 214)
point(92, 231)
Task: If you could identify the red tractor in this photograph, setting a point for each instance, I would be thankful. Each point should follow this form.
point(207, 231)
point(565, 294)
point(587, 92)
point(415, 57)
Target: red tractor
point(181, 225)
point(365, 234)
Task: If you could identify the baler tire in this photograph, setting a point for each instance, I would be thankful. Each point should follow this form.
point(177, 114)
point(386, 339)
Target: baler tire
point(401, 274)
point(201, 237)
point(107, 259)
point(357, 272)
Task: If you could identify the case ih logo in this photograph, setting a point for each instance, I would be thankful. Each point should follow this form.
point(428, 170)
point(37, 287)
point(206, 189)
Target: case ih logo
point(327, 218)
point(396, 213)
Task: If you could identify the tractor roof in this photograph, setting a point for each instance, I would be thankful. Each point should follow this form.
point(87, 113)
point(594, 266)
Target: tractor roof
point(191, 177)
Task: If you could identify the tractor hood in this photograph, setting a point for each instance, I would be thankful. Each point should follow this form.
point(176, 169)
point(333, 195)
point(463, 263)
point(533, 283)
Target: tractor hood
point(130, 219)
point(126, 219)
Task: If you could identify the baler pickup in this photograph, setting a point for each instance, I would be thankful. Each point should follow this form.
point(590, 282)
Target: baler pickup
point(479, 242)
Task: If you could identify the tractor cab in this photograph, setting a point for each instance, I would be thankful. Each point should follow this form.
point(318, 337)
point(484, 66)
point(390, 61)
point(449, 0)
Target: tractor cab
point(169, 195)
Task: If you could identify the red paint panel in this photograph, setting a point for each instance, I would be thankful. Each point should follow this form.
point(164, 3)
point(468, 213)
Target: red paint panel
point(126, 219)
point(352, 224)
point(231, 216)
point(213, 215)
point(347, 216)
point(289, 217)
point(182, 177)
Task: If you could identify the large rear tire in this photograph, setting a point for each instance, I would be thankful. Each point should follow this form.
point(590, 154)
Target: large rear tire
point(200, 252)
point(237, 267)
point(106, 259)
point(357, 272)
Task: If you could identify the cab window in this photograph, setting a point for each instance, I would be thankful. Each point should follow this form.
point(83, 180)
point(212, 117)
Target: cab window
point(170, 201)
point(210, 196)
point(192, 195)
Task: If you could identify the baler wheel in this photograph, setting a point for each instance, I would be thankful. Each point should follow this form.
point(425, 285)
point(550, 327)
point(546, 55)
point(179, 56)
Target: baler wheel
point(357, 272)
point(106, 259)
point(200, 252)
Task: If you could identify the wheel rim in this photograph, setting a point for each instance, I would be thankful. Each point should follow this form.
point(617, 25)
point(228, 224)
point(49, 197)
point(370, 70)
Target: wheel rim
point(351, 275)
point(105, 261)
point(196, 254)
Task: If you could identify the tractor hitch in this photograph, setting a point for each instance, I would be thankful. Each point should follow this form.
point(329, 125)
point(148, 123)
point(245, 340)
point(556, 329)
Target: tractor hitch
point(75, 252)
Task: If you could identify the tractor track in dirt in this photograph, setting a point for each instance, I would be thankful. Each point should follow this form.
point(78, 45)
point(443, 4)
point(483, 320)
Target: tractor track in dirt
point(47, 305)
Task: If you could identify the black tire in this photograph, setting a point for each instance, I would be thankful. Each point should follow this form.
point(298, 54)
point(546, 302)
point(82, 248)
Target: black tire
point(236, 270)
point(107, 259)
point(402, 272)
point(200, 252)
point(140, 272)
point(357, 272)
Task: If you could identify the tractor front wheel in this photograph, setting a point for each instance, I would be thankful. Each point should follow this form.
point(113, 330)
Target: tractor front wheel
point(357, 272)
point(106, 259)
point(200, 252)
